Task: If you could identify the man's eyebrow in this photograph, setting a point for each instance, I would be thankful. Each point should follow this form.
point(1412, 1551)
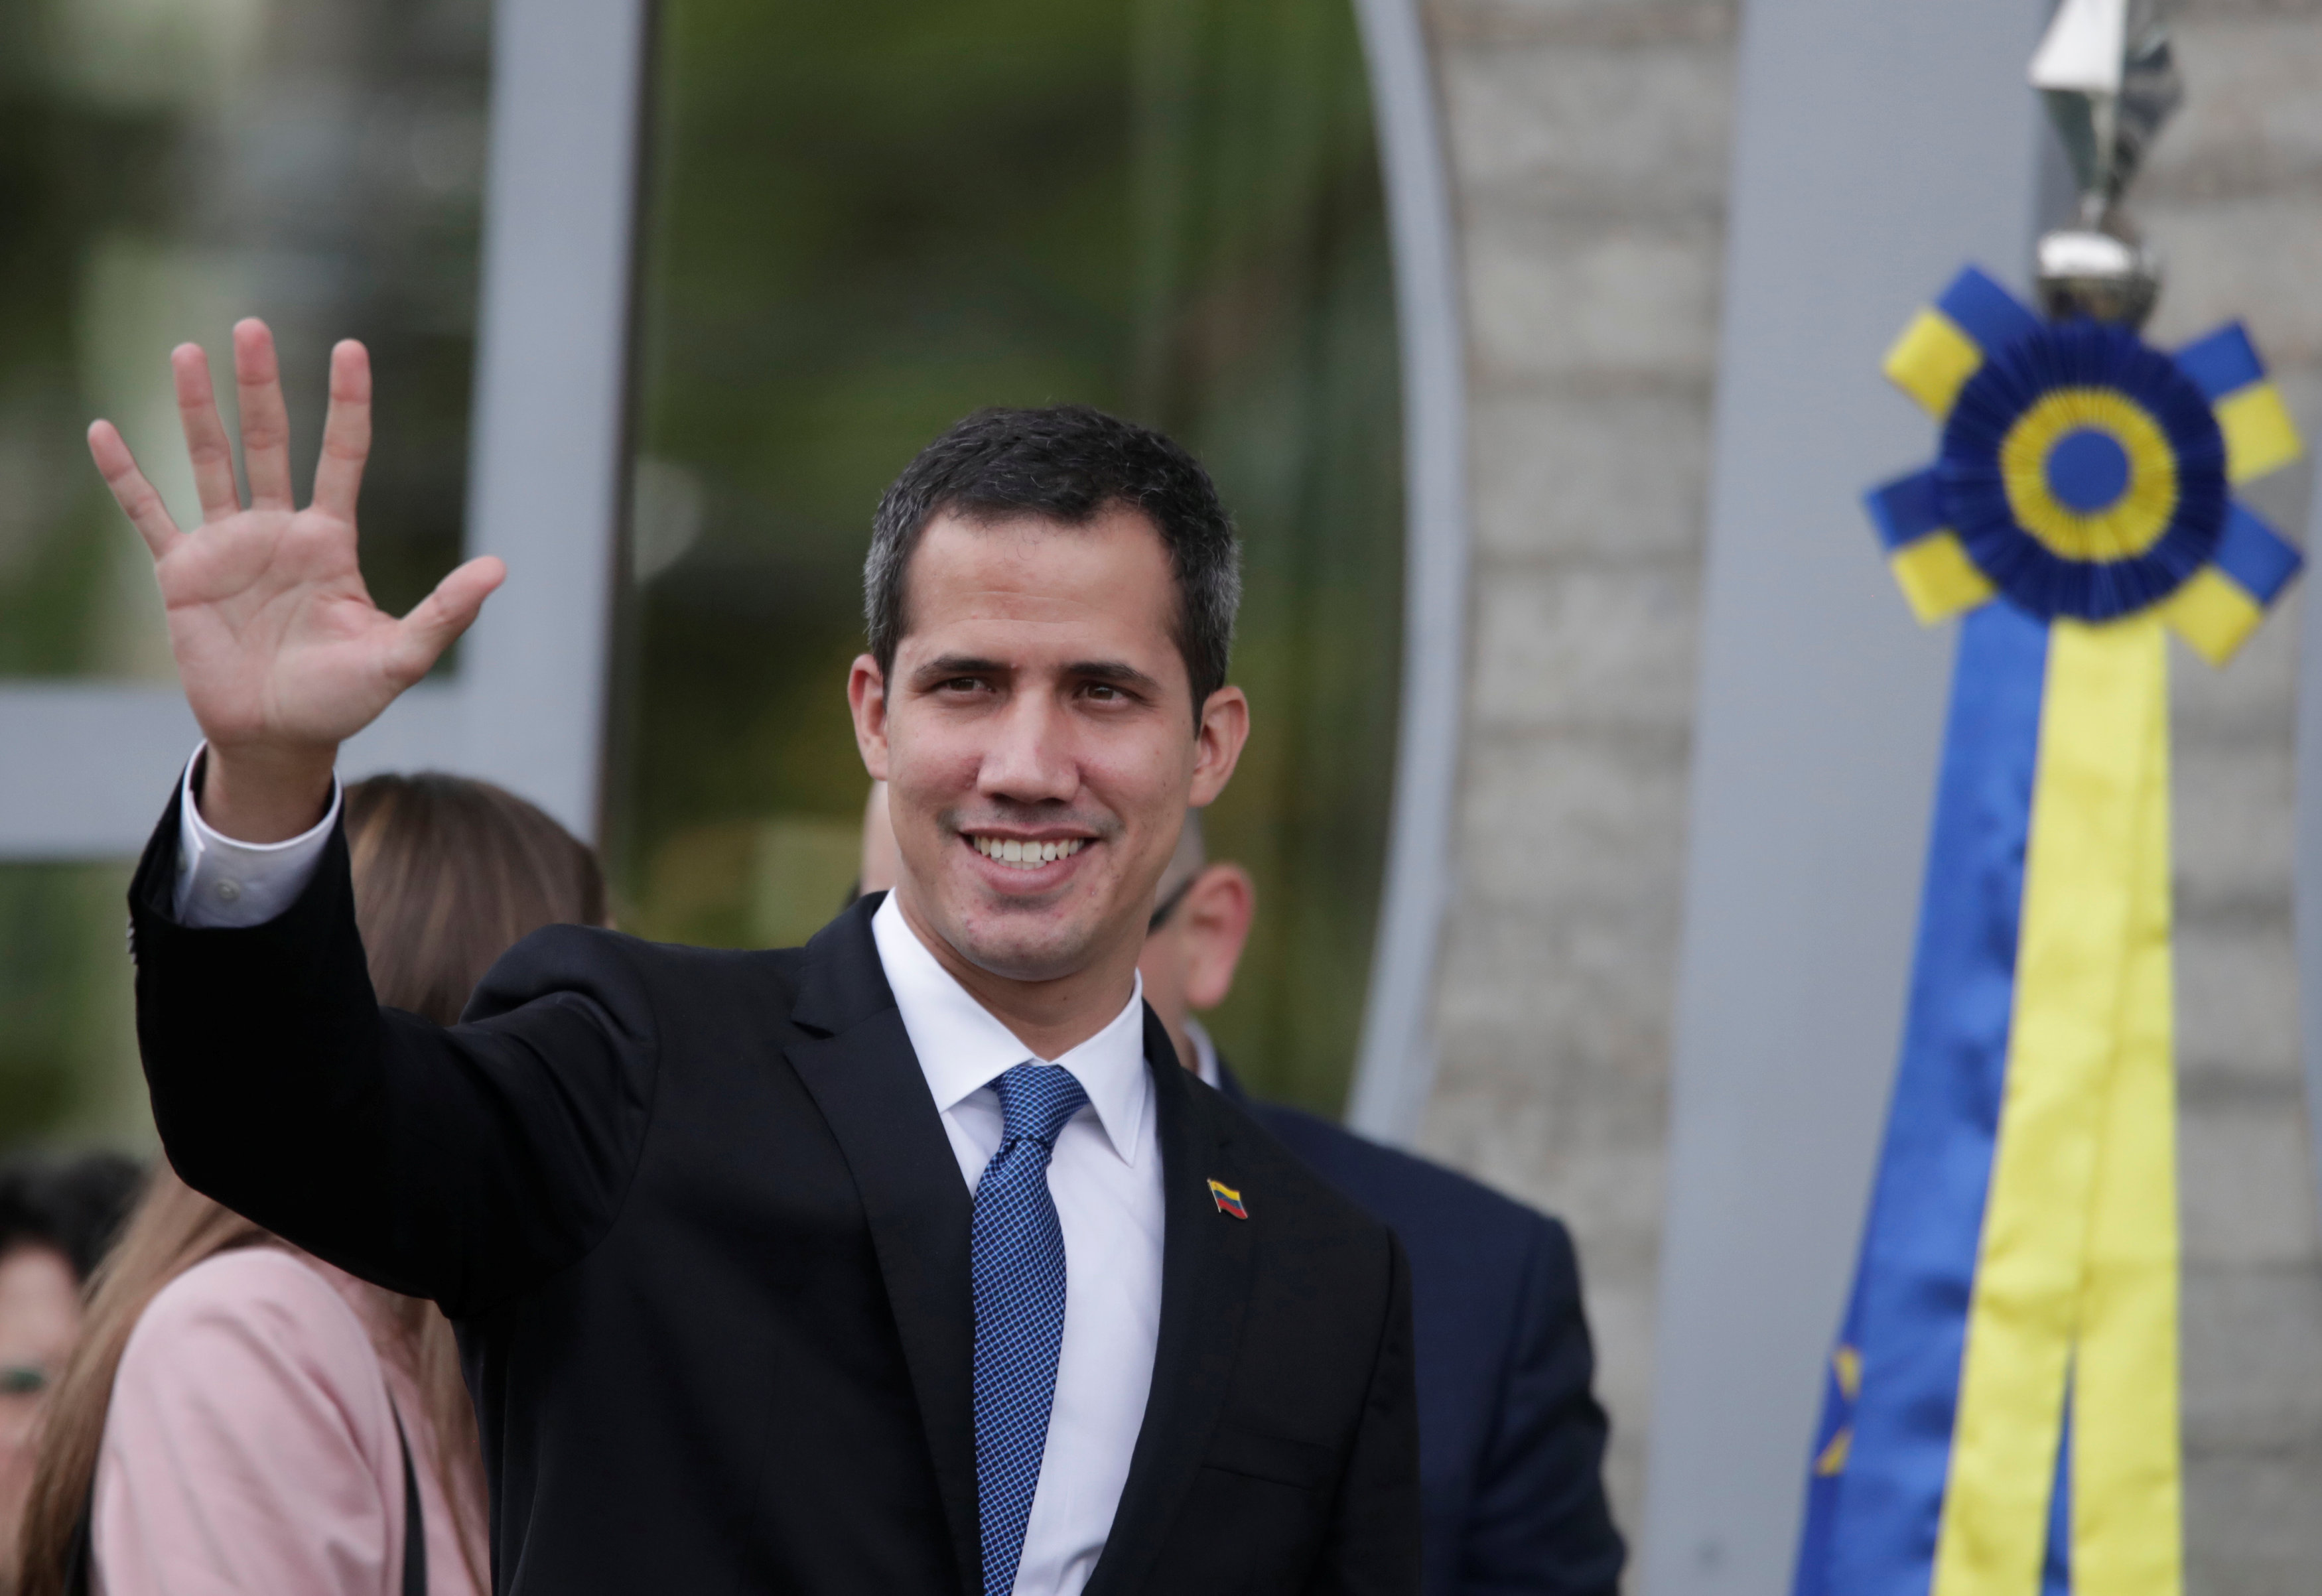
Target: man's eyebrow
point(937, 669)
point(1116, 671)
point(1119, 672)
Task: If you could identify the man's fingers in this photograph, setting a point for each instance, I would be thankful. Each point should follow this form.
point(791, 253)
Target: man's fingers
point(205, 441)
point(265, 423)
point(346, 431)
point(131, 491)
point(429, 629)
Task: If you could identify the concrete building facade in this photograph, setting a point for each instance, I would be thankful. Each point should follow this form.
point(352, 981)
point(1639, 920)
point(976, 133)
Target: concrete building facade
point(1591, 147)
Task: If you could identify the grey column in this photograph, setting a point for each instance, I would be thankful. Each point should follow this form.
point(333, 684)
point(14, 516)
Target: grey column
point(551, 393)
point(1879, 147)
point(2308, 910)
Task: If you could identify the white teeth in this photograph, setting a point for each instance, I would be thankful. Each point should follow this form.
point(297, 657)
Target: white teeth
point(1027, 855)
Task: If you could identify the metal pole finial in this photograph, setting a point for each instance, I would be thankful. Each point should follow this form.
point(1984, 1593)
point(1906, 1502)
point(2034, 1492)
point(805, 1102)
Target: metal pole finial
point(2106, 71)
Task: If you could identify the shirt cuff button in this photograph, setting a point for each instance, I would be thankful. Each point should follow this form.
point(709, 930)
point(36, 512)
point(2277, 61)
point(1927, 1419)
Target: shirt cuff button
point(228, 891)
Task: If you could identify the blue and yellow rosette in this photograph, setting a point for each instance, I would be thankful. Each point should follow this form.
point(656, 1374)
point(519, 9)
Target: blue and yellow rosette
point(2085, 474)
point(2001, 1413)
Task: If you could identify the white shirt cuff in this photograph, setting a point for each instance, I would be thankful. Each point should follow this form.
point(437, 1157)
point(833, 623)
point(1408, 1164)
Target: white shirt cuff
point(225, 884)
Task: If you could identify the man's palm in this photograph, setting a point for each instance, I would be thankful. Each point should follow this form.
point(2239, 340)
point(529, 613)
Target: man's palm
point(279, 646)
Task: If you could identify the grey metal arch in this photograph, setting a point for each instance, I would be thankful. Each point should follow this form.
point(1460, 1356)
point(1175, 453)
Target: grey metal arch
point(1396, 1067)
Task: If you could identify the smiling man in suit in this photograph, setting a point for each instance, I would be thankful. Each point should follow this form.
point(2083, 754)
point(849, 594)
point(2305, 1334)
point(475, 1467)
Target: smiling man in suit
point(1512, 1439)
point(904, 1262)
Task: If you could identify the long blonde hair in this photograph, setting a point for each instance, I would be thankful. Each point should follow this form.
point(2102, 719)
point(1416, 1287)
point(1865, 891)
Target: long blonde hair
point(448, 873)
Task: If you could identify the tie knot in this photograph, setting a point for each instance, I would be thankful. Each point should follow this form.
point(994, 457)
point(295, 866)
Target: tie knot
point(1036, 1099)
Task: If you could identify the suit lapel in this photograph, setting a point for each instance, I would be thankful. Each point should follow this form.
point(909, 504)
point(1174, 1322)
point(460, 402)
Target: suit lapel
point(1230, 1085)
point(1207, 1262)
point(866, 1078)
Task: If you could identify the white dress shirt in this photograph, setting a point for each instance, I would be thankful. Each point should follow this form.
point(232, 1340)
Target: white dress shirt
point(1105, 1175)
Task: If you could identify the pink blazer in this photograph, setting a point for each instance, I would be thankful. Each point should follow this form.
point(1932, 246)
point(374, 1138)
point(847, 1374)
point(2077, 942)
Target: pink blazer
point(251, 1448)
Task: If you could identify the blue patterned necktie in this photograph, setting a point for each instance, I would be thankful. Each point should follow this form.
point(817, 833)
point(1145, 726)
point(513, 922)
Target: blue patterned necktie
point(1018, 1255)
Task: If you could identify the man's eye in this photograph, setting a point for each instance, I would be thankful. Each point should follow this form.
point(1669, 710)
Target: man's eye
point(962, 684)
point(1103, 690)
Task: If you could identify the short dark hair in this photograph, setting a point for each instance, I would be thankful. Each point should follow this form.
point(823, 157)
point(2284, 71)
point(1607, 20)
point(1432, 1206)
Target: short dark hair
point(1067, 464)
point(72, 1205)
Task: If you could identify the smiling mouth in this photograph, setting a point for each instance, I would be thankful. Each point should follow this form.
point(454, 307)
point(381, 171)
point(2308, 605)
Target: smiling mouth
point(1025, 855)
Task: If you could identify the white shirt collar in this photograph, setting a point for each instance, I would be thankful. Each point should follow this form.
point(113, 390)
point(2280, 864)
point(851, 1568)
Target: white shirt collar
point(1205, 1054)
point(963, 1048)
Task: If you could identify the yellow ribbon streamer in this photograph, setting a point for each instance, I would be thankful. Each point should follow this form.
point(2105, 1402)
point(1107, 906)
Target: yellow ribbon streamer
point(2076, 1284)
point(2127, 1518)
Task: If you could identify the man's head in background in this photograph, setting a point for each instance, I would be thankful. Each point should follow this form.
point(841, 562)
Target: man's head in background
point(1194, 937)
point(57, 1217)
point(1199, 926)
point(1050, 598)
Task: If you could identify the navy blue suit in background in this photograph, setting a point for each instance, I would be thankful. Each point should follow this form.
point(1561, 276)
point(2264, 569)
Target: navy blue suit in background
point(1511, 1438)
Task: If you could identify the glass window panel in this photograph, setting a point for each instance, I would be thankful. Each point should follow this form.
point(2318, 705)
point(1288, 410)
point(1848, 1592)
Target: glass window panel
point(166, 166)
point(865, 221)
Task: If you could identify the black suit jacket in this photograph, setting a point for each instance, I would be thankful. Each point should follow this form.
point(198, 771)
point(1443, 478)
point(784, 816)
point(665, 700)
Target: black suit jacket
point(1510, 1437)
point(706, 1244)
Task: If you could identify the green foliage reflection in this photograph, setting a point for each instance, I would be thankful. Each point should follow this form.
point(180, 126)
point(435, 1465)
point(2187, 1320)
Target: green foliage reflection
point(67, 1054)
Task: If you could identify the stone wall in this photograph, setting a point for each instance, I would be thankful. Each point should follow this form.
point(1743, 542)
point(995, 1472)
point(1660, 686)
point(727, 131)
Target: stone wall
point(2234, 200)
point(1589, 142)
point(1589, 149)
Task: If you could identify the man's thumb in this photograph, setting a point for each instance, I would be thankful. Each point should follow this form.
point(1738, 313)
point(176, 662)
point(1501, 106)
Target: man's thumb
point(438, 619)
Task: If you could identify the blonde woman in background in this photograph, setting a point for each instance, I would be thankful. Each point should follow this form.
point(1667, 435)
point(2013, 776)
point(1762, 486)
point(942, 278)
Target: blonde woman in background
point(239, 1417)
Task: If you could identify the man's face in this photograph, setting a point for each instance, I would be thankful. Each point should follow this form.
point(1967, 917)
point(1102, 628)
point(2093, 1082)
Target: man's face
point(1189, 959)
point(1038, 738)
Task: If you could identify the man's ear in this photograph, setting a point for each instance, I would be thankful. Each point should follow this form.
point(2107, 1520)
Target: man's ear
point(1216, 915)
point(1217, 744)
point(867, 698)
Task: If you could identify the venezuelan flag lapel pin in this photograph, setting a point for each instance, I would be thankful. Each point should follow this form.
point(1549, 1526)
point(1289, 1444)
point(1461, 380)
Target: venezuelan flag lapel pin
point(1229, 1200)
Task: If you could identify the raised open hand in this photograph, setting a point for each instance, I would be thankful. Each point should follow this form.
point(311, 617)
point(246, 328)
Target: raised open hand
point(280, 648)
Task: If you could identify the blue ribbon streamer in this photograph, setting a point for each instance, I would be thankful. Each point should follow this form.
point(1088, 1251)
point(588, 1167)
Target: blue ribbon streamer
point(1871, 1526)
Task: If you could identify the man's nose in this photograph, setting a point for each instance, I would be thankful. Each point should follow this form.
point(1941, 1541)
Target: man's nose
point(1030, 758)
